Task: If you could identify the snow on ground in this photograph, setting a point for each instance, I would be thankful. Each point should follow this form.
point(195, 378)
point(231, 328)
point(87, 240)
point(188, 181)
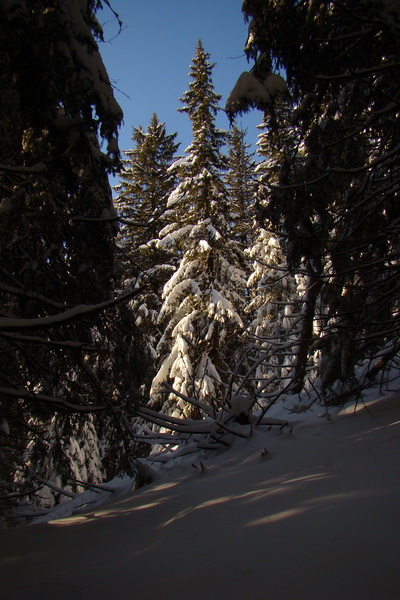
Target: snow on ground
point(305, 513)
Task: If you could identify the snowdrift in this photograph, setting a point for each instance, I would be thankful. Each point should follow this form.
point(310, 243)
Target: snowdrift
point(310, 512)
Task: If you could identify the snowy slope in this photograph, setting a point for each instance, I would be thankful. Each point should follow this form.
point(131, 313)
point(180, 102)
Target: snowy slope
point(307, 514)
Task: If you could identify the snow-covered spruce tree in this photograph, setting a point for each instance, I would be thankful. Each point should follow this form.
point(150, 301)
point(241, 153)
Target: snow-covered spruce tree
point(240, 182)
point(204, 299)
point(146, 182)
point(273, 311)
point(71, 443)
point(275, 293)
point(56, 222)
point(338, 215)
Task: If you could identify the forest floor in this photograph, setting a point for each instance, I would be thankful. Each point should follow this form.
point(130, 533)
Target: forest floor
point(310, 512)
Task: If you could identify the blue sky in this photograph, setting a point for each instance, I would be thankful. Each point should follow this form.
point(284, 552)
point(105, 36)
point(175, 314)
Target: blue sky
point(149, 60)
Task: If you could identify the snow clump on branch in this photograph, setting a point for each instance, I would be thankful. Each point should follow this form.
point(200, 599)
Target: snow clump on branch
point(251, 91)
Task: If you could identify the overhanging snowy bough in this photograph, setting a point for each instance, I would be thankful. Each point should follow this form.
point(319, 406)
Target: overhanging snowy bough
point(216, 430)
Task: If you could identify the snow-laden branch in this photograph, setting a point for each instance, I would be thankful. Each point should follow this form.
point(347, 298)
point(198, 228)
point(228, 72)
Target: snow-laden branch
point(39, 168)
point(71, 314)
point(17, 393)
point(208, 410)
point(358, 73)
point(19, 291)
point(27, 470)
point(33, 339)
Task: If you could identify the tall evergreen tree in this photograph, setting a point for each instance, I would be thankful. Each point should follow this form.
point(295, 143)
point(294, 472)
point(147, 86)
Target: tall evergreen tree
point(240, 181)
point(274, 291)
point(338, 213)
point(57, 228)
point(203, 301)
point(146, 182)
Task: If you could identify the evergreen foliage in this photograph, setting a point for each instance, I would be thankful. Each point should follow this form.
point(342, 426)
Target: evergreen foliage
point(201, 104)
point(57, 226)
point(273, 310)
point(204, 299)
point(240, 182)
point(241, 281)
point(146, 181)
point(275, 293)
point(337, 212)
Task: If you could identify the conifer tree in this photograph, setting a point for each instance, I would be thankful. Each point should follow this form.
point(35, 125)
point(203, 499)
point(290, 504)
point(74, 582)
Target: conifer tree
point(69, 452)
point(57, 228)
point(336, 213)
point(146, 182)
point(272, 310)
point(240, 181)
point(275, 293)
point(203, 301)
